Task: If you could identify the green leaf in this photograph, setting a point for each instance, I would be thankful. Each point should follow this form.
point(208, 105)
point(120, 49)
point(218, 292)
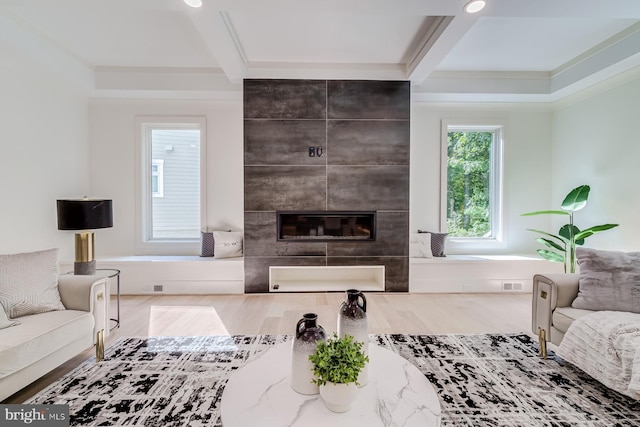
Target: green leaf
point(550, 244)
point(550, 212)
point(550, 256)
point(576, 199)
point(544, 233)
point(593, 230)
point(568, 230)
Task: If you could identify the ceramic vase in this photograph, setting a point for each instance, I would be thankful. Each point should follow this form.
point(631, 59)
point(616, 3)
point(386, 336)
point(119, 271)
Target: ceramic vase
point(338, 397)
point(308, 333)
point(352, 320)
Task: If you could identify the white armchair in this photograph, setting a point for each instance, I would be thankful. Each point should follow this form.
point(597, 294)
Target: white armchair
point(551, 310)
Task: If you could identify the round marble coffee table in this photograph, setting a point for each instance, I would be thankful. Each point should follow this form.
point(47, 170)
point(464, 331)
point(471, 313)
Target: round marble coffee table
point(397, 394)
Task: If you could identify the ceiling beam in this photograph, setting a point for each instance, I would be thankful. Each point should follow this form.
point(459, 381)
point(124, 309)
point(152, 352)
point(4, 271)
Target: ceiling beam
point(621, 47)
point(437, 41)
point(218, 33)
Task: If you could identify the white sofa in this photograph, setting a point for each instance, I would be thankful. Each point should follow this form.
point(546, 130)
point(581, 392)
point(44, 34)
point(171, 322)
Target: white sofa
point(609, 281)
point(42, 342)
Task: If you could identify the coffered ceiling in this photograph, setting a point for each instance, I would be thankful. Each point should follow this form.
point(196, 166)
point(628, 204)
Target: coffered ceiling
point(535, 50)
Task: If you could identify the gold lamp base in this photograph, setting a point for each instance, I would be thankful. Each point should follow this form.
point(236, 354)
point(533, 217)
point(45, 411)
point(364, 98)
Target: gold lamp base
point(85, 263)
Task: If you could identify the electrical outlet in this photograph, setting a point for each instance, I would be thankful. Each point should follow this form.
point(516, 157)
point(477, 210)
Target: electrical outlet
point(312, 151)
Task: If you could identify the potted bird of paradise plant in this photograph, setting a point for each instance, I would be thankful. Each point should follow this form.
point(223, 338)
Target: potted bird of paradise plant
point(561, 247)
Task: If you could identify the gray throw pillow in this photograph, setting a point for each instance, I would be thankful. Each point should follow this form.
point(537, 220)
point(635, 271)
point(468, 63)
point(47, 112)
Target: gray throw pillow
point(29, 283)
point(208, 244)
point(438, 241)
point(608, 280)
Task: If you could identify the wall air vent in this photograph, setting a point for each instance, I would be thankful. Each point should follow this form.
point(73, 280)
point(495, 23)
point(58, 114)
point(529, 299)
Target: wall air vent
point(512, 286)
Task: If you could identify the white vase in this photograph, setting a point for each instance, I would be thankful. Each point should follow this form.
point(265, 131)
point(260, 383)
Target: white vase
point(352, 320)
point(308, 333)
point(338, 397)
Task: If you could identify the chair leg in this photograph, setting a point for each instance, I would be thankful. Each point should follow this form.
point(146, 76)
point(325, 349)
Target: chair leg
point(542, 343)
point(100, 346)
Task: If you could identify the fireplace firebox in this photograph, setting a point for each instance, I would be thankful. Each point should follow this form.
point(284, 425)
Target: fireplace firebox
point(326, 226)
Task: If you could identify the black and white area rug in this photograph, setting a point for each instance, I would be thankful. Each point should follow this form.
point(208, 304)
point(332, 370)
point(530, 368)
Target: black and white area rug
point(481, 380)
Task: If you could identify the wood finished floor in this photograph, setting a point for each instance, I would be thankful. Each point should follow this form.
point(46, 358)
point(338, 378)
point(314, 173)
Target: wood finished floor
point(167, 315)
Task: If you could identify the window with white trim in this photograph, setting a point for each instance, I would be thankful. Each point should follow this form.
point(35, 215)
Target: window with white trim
point(472, 181)
point(170, 183)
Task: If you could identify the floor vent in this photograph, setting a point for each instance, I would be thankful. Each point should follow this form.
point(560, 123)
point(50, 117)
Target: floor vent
point(157, 288)
point(511, 286)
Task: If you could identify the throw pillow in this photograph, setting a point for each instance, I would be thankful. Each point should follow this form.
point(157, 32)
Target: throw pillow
point(228, 244)
point(438, 241)
point(420, 245)
point(29, 283)
point(608, 280)
point(207, 243)
point(5, 322)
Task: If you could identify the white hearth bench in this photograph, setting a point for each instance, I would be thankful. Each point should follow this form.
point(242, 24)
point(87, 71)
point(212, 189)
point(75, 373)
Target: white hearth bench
point(477, 273)
point(170, 275)
point(451, 274)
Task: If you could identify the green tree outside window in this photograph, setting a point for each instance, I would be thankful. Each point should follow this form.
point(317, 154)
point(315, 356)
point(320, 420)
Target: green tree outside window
point(469, 183)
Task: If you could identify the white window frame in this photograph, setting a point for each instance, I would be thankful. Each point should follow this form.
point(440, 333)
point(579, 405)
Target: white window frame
point(498, 127)
point(144, 244)
point(159, 174)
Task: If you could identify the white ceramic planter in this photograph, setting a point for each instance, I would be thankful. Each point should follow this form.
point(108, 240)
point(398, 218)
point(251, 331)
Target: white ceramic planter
point(338, 397)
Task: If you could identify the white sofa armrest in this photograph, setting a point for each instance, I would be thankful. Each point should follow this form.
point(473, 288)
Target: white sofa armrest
point(551, 291)
point(79, 292)
point(87, 293)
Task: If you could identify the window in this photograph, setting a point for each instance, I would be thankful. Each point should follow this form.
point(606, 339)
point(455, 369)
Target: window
point(157, 178)
point(170, 183)
point(472, 170)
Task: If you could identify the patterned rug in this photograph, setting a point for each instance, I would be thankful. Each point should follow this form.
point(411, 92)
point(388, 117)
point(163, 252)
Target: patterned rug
point(481, 380)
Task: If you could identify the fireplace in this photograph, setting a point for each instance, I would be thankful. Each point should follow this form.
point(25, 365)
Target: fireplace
point(325, 226)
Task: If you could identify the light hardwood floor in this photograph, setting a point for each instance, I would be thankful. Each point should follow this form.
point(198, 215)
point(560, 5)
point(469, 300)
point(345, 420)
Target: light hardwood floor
point(166, 315)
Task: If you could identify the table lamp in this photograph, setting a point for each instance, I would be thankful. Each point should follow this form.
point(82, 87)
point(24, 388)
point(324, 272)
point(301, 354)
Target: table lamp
point(84, 215)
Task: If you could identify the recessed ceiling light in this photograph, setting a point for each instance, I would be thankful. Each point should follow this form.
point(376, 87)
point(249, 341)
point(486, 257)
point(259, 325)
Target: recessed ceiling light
point(473, 6)
point(194, 3)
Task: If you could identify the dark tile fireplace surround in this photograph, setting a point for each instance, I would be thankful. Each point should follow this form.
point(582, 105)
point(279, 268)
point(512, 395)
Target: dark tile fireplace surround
point(326, 149)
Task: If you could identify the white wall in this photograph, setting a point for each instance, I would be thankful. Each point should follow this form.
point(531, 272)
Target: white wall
point(527, 168)
point(113, 139)
point(596, 142)
point(44, 155)
point(527, 177)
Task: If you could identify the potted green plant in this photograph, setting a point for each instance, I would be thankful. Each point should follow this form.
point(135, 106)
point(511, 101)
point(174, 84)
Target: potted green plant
point(562, 246)
point(336, 365)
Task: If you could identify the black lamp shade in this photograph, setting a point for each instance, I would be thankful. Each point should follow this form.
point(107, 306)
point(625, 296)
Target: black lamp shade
point(84, 214)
